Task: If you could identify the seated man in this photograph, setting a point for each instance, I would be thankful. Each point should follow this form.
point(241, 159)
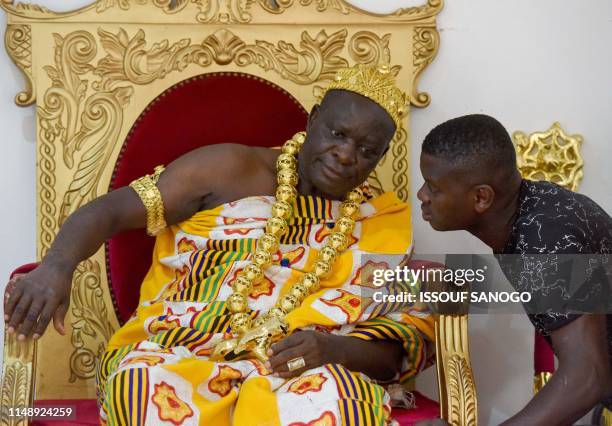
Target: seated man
point(472, 183)
point(259, 249)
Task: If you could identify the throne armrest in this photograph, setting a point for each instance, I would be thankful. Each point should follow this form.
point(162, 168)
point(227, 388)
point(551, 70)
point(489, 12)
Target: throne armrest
point(458, 405)
point(18, 367)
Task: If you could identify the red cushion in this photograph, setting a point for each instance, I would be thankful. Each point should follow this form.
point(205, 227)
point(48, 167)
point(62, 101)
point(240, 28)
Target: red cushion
point(87, 412)
point(205, 110)
point(425, 409)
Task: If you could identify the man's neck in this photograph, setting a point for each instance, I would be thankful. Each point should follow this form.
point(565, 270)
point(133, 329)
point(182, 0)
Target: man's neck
point(494, 229)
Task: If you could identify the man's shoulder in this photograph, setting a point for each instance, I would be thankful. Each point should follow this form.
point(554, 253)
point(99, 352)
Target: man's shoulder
point(555, 220)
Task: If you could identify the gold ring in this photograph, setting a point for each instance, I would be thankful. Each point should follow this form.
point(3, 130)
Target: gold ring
point(296, 363)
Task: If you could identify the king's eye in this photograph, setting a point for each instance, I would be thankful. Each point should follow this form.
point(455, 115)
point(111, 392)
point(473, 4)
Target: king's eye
point(336, 133)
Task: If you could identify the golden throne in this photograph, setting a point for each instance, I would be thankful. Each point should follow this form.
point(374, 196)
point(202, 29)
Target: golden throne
point(94, 73)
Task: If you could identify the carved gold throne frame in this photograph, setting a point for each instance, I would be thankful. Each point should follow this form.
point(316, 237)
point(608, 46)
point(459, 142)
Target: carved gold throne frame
point(92, 71)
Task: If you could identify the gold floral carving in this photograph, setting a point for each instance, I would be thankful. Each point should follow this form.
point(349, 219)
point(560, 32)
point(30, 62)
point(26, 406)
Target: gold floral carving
point(462, 406)
point(458, 403)
point(426, 43)
point(71, 119)
point(91, 328)
point(323, 5)
point(18, 41)
point(552, 155)
point(17, 378)
point(130, 60)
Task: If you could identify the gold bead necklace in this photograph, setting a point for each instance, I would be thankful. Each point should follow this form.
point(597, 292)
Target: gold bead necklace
point(241, 322)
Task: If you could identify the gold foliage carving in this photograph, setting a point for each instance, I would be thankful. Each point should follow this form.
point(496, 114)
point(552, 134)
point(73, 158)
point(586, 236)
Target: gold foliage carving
point(130, 60)
point(552, 156)
point(18, 41)
point(458, 402)
point(462, 399)
point(17, 376)
point(91, 328)
point(367, 47)
point(323, 5)
point(426, 43)
point(71, 118)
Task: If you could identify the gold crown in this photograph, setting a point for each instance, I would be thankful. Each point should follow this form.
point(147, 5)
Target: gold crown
point(375, 82)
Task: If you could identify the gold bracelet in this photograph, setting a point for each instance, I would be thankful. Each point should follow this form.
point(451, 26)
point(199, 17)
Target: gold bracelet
point(146, 188)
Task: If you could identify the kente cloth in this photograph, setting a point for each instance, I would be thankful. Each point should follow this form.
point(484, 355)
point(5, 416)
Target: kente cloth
point(156, 369)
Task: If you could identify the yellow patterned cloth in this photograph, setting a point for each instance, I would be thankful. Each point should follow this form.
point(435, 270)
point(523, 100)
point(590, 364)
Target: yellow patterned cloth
point(156, 369)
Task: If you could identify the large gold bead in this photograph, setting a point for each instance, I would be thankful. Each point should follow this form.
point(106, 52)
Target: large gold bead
point(287, 177)
point(276, 227)
point(286, 193)
point(268, 243)
point(338, 240)
point(300, 137)
point(328, 254)
point(253, 273)
point(355, 195)
point(281, 209)
point(311, 282)
point(288, 303)
point(240, 323)
point(291, 147)
point(345, 225)
point(237, 303)
point(286, 161)
point(349, 209)
point(259, 320)
point(276, 312)
point(321, 269)
point(242, 285)
point(299, 291)
point(262, 258)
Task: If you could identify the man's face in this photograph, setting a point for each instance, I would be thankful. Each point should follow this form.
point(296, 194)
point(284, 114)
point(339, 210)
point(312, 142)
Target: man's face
point(347, 137)
point(447, 202)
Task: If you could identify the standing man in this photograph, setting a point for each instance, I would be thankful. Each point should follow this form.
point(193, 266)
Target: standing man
point(472, 183)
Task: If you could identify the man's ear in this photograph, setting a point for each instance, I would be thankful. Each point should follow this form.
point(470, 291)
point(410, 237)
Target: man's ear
point(314, 113)
point(484, 195)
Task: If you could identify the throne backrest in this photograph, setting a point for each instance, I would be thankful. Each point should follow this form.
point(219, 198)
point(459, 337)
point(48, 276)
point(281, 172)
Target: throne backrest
point(93, 71)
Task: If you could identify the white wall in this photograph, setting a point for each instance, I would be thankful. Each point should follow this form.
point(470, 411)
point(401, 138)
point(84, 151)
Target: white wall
point(527, 63)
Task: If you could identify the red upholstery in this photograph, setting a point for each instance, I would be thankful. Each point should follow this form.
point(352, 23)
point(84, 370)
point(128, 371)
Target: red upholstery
point(87, 412)
point(425, 409)
point(543, 355)
point(205, 110)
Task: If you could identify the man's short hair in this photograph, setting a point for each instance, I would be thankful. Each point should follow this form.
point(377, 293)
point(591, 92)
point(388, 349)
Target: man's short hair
point(475, 140)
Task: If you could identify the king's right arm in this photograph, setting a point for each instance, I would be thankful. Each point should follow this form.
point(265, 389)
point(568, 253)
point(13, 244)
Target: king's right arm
point(44, 293)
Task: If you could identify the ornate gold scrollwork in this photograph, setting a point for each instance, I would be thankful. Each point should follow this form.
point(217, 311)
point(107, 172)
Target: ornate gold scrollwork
point(129, 60)
point(323, 5)
point(91, 328)
point(399, 148)
point(426, 43)
point(18, 41)
point(552, 156)
point(366, 47)
point(17, 374)
point(458, 404)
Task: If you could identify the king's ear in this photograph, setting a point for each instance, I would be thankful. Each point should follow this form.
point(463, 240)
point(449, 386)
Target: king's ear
point(484, 195)
point(314, 112)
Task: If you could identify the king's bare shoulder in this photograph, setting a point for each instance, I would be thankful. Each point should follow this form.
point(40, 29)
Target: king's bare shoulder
point(208, 176)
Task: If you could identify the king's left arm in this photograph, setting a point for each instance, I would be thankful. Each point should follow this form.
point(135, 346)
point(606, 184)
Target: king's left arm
point(581, 381)
point(379, 359)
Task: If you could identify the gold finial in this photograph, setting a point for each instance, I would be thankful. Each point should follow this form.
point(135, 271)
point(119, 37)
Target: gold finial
point(552, 155)
point(375, 82)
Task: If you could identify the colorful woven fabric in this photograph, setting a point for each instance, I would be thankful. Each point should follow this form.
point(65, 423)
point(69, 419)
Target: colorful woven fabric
point(156, 368)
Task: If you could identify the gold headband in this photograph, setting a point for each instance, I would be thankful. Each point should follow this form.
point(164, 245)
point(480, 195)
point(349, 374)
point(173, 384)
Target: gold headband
point(375, 82)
